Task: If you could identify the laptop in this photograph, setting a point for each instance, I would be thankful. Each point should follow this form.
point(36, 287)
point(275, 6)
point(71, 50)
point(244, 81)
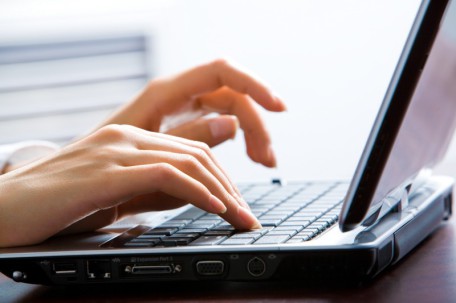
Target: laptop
point(348, 231)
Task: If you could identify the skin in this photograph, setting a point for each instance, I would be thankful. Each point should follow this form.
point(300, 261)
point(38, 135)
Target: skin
point(127, 166)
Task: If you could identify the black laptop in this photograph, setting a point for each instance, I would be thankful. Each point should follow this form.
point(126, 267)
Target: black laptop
point(349, 231)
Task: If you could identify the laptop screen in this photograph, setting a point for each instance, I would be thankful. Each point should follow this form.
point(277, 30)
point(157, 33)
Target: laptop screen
point(416, 121)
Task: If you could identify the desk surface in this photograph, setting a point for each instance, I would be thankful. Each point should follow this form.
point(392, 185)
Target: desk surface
point(428, 274)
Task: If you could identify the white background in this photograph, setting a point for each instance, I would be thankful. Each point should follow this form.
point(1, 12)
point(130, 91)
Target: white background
point(330, 61)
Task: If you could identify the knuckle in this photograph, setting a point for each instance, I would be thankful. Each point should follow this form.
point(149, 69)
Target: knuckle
point(220, 63)
point(203, 146)
point(113, 132)
point(164, 171)
point(155, 85)
point(190, 162)
point(202, 152)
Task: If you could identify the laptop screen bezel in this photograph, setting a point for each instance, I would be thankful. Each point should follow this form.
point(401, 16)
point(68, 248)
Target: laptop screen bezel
point(357, 204)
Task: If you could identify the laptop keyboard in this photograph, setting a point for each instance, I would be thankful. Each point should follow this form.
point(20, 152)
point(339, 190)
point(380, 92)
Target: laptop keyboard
point(292, 213)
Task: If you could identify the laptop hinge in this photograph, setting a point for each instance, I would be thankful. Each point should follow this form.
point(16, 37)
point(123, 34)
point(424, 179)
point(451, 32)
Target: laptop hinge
point(398, 199)
point(404, 202)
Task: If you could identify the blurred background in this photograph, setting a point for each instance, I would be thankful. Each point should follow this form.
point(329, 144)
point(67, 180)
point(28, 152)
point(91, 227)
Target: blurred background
point(65, 65)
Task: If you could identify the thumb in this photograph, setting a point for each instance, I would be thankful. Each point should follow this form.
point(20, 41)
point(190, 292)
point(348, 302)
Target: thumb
point(212, 131)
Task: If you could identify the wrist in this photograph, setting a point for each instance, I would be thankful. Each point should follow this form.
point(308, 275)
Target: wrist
point(13, 156)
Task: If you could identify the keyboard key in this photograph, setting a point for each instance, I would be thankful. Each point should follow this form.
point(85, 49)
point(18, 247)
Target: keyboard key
point(296, 228)
point(224, 227)
point(306, 235)
point(191, 214)
point(244, 236)
point(149, 237)
point(175, 222)
point(199, 226)
point(323, 223)
point(279, 212)
point(192, 231)
point(265, 218)
point(270, 222)
point(176, 241)
point(317, 227)
point(303, 216)
point(185, 235)
point(249, 233)
point(161, 231)
point(294, 223)
point(331, 219)
point(290, 208)
point(171, 225)
point(208, 240)
point(208, 221)
point(237, 241)
point(302, 238)
point(218, 233)
point(275, 232)
point(209, 216)
point(276, 239)
point(139, 244)
point(259, 211)
point(294, 240)
point(136, 242)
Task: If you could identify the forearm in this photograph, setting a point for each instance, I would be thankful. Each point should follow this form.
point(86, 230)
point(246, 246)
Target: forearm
point(32, 209)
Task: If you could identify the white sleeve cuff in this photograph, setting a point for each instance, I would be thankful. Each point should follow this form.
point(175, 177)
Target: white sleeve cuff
point(26, 151)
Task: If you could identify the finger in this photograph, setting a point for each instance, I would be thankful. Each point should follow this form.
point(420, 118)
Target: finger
point(257, 138)
point(166, 178)
point(189, 165)
point(211, 131)
point(171, 181)
point(209, 77)
point(197, 149)
point(229, 184)
point(157, 201)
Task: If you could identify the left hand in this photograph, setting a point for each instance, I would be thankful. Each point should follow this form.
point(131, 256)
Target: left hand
point(216, 87)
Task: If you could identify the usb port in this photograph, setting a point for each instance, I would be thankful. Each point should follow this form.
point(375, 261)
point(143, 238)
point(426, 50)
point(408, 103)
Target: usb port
point(64, 268)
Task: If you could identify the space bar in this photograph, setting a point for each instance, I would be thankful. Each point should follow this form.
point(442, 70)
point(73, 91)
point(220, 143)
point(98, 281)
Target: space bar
point(208, 240)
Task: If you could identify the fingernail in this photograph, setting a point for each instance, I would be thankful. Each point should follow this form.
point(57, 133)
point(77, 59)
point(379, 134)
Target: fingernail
point(271, 157)
point(249, 218)
point(217, 206)
point(236, 122)
point(282, 104)
point(222, 127)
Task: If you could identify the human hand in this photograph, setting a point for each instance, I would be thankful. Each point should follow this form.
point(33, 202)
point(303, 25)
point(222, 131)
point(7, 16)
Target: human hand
point(116, 171)
point(123, 170)
point(177, 104)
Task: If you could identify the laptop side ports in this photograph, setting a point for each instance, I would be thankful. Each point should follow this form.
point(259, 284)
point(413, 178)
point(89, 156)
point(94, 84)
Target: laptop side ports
point(64, 268)
point(99, 269)
point(149, 269)
point(256, 267)
point(210, 267)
